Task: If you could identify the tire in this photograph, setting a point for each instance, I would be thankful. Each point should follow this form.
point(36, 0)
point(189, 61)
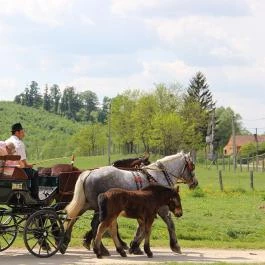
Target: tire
point(43, 233)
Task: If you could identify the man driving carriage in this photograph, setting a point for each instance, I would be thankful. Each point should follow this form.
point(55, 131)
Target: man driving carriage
point(18, 133)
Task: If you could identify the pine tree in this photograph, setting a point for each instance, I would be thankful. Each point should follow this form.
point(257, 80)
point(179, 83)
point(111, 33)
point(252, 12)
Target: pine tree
point(35, 98)
point(198, 91)
point(46, 99)
point(55, 96)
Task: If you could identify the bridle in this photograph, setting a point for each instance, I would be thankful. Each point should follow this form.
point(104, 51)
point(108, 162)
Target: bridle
point(180, 179)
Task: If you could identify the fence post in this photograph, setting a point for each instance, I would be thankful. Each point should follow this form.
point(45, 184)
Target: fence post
point(229, 163)
point(248, 163)
point(221, 180)
point(253, 163)
point(223, 161)
point(240, 164)
point(263, 164)
point(251, 180)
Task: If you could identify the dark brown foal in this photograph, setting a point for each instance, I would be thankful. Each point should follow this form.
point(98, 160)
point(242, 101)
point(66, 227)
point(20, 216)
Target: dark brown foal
point(141, 205)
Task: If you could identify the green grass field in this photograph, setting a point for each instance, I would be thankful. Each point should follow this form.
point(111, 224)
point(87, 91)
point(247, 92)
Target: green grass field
point(234, 218)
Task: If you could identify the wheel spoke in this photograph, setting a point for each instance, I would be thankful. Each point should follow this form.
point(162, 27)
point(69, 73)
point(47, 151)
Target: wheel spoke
point(51, 242)
point(8, 230)
point(5, 239)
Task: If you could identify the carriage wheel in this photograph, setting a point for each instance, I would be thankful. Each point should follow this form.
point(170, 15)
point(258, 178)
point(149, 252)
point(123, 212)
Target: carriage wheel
point(43, 233)
point(8, 229)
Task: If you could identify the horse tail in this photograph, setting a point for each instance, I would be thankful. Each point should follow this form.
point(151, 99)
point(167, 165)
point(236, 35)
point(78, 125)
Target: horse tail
point(102, 204)
point(79, 198)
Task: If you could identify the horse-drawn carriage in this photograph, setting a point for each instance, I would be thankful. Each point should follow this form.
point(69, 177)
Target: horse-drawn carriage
point(40, 220)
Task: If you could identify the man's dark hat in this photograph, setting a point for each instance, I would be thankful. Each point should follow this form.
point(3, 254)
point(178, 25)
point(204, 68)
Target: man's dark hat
point(16, 127)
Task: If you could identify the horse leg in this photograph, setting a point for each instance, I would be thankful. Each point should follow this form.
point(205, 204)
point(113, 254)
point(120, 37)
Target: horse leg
point(97, 244)
point(114, 235)
point(87, 239)
point(135, 244)
point(68, 225)
point(124, 244)
point(147, 249)
point(94, 224)
point(76, 207)
point(166, 216)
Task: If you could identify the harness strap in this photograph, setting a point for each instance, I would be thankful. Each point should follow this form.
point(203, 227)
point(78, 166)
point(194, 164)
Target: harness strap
point(149, 177)
point(166, 175)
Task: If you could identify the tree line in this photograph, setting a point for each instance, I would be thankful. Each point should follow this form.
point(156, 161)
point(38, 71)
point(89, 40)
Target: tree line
point(83, 106)
point(164, 120)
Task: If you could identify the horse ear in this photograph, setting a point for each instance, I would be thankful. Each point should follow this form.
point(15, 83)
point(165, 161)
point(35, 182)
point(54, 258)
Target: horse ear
point(146, 155)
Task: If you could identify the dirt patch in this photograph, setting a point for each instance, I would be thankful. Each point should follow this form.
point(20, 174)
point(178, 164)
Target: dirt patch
point(161, 255)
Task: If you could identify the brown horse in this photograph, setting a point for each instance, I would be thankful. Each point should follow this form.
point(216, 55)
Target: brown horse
point(67, 174)
point(142, 205)
point(132, 162)
point(55, 170)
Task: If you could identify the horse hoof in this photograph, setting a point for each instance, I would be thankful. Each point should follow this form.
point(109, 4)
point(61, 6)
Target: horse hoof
point(45, 246)
point(99, 256)
point(176, 249)
point(123, 254)
point(136, 251)
point(121, 251)
point(63, 248)
point(150, 255)
point(86, 245)
point(104, 252)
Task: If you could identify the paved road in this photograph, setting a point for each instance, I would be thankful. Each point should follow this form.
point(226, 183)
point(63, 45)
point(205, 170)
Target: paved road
point(81, 256)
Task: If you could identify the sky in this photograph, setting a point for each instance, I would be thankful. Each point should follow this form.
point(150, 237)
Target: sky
point(107, 46)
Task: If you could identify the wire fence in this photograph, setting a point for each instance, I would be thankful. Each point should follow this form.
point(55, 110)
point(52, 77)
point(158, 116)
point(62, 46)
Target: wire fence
point(250, 163)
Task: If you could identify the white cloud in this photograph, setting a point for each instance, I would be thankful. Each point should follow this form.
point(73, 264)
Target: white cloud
point(173, 8)
point(86, 20)
point(48, 12)
point(122, 7)
point(8, 88)
point(244, 106)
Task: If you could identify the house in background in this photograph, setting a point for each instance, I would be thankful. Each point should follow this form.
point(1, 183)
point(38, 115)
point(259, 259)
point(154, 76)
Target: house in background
point(241, 140)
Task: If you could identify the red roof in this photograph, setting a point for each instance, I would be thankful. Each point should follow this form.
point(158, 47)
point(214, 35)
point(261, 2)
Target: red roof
point(245, 139)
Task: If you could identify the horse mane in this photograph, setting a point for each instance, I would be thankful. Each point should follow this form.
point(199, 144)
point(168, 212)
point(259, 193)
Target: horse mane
point(125, 160)
point(171, 157)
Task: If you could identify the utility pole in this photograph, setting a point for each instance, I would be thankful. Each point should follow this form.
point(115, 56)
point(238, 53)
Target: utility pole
point(257, 149)
point(234, 142)
point(109, 133)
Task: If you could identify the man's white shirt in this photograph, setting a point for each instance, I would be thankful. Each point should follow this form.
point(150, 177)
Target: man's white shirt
point(19, 145)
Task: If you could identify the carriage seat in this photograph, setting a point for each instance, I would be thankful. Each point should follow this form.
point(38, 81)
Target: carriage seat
point(18, 172)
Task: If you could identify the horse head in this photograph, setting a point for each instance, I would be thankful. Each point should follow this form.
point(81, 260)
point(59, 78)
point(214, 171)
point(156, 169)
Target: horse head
point(181, 167)
point(145, 159)
point(175, 203)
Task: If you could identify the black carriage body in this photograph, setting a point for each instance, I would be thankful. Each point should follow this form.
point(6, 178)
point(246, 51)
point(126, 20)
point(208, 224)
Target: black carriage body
point(16, 192)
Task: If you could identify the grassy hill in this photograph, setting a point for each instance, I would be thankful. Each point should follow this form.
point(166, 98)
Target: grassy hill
point(47, 134)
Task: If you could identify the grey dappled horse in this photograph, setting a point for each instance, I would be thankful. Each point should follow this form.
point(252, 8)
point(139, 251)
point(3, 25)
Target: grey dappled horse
point(166, 171)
